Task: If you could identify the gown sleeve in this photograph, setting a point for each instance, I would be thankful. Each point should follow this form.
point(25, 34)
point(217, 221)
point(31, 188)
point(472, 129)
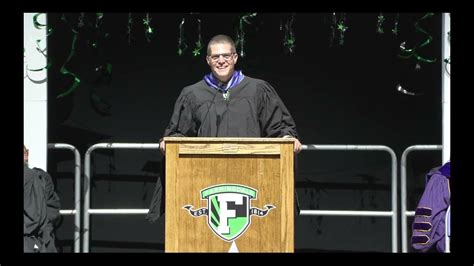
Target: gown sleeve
point(275, 119)
point(428, 228)
point(34, 202)
point(182, 123)
point(53, 203)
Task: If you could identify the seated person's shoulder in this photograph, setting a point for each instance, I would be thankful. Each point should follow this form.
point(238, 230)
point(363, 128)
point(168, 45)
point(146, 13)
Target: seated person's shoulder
point(39, 170)
point(42, 172)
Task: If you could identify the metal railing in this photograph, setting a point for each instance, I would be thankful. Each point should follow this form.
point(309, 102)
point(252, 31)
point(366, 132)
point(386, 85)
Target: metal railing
point(87, 183)
point(403, 184)
point(392, 213)
point(77, 192)
point(88, 178)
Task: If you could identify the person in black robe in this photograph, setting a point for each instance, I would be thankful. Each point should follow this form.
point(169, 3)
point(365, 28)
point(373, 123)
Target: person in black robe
point(41, 207)
point(225, 104)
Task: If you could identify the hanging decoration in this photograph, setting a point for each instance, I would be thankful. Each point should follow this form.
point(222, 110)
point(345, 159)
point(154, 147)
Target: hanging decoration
point(198, 47)
point(182, 46)
point(413, 52)
point(48, 64)
point(241, 33)
point(380, 20)
point(337, 23)
point(49, 31)
point(98, 19)
point(404, 91)
point(333, 27)
point(148, 28)
point(129, 28)
point(289, 36)
point(63, 69)
point(447, 61)
point(409, 78)
point(341, 27)
point(395, 24)
point(39, 26)
point(81, 18)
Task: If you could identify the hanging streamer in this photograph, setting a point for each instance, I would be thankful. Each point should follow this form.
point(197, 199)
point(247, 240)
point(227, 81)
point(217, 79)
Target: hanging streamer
point(289, 41)
point(63, 69)
point(395, 24)
point(407, 53)
point(39, 26)
point(333, 29)
point(341, 26)
point(241, 33)
point(380, 20)
point(148, 29)
point(129, 28)
point(447, 61)
point(182, 46)
point(198, 47)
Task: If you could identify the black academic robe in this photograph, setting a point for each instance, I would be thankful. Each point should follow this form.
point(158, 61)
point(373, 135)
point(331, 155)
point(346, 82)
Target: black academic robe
point(40, 211)
point(252, 109)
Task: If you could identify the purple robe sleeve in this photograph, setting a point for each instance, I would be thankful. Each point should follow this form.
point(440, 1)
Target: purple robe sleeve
point(429, 224)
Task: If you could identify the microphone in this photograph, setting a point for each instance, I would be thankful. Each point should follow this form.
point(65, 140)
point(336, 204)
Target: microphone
point(218, 123)
point(207, 113)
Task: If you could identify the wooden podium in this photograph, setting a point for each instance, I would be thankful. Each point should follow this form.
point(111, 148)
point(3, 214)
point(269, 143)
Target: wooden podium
point(229, 195)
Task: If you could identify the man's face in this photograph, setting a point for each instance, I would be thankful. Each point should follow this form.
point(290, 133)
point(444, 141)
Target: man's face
point(25, 155)
point(222, 60)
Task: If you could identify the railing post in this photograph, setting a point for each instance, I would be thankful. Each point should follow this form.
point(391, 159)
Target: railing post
point(87, 185)
point(77, 192)
point(392, 213)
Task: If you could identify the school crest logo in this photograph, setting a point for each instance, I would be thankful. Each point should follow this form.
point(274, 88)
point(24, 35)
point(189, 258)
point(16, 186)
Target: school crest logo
point(229, 209)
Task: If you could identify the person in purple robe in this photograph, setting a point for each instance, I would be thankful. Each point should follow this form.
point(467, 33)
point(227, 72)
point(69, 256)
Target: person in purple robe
point(429, 230)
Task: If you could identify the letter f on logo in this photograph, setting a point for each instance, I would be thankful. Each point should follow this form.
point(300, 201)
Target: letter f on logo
point(225, 213)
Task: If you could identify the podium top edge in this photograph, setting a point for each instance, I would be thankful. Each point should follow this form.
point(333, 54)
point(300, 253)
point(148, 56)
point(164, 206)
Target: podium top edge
point(210, 139)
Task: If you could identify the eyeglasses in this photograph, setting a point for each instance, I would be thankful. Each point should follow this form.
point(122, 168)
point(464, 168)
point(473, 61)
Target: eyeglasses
point(226, 57)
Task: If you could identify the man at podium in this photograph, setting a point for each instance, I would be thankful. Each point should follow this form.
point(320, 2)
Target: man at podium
point(226, 103)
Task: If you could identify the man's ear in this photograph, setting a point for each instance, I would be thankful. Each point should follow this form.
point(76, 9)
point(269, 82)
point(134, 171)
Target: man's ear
point(236, 58)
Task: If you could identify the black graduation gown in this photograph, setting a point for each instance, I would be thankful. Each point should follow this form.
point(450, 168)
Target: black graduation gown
point(253, 109)
point(40, 211)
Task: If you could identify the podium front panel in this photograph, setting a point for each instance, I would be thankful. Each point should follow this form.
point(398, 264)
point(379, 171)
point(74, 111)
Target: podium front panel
point(229, 195)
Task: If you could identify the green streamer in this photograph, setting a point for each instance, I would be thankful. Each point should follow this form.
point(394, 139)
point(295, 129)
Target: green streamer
point(198, 48)
point(241, 33)
point(36, 23)
point(333, 29)
point(39, 26)
point(407, 53)
point(42, 51)
point(65, 71)
point(395, 25)
point(148, 29)
point(129, 28)
point(341, 26)
point(380, 20)
point(289, 40)
point(182, 46)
